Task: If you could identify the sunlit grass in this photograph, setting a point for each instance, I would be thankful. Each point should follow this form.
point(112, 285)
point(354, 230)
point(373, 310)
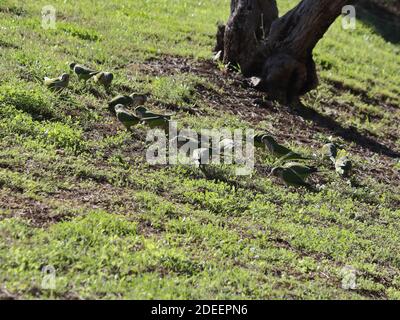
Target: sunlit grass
point(77, 194)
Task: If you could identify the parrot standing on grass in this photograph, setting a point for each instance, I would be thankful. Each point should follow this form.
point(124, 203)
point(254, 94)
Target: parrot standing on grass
point(133, 99)
point(290, 177)
point(278, 150)
point(343, 166)
point(259, 140)
point(57, 84)
point(156, 122)
point(125, 117)
point(83, 73)
point(302, 170)
point(139, 99)
point(329, 151)
point(104, 78)
point(121, 99)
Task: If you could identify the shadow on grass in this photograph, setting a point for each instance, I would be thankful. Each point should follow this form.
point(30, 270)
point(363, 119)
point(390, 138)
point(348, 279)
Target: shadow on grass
point(381, 19)
point(348, 134)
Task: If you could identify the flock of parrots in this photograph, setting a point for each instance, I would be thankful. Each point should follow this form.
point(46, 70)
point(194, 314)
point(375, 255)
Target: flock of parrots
point(291, 170)
point(296, 173)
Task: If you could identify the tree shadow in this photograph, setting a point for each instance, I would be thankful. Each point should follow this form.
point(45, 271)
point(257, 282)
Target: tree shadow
point(382, 20)
point(348, 134)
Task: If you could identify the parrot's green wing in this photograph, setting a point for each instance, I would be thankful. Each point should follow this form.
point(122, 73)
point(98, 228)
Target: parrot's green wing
point(281, 150)
point(283, 153)
point(153, 115)
point(292, 156)
point(56, 83)
point(84, 73)
point(142, 112)
point(104, 78)
point(156, 122)
point(123, 100)
point(258, 141)
point(291, 178)
point(127, 119)
point(302, 170)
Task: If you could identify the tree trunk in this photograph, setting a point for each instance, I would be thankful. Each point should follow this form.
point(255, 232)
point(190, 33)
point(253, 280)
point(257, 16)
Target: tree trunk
point(247, 28)
point(278, 50)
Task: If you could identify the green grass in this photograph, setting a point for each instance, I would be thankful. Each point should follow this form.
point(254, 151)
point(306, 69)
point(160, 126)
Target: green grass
point(76, 192)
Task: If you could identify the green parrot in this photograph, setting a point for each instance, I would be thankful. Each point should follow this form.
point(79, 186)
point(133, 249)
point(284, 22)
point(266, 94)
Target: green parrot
point(121, 99)
point(83, 73)
point(133, 99)
point(329, 151)
point(143, 112)
point(156, 122)
point(278, 150)
point(259, 140)
point(104, 78)
point(57, 84)
point(290, 177)
point(302, 170)
point(125, 117)
point(343, 166)
point(139, 99)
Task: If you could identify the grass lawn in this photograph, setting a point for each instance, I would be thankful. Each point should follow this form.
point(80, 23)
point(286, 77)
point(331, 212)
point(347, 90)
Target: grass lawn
point(76, 192)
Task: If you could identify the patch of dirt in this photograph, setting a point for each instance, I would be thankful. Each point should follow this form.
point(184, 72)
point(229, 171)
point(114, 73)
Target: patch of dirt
point(100, 197)
point(147, 229)
point(38, 213)
point(7, 45)
point(65, 204)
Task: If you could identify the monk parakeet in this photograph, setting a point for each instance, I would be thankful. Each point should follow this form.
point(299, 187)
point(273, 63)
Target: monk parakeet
point(125, 117)
point(343, 166)
point(259, 140)
point(329, 151)
point(143, 112)
point(139, 99)
point(83, 73)
point(302, 170)
point(156, 122)
point(279, 150)
point(133, 99)
point(290, 177)
point(57, 84)
point(104, 78)
point(121, 99)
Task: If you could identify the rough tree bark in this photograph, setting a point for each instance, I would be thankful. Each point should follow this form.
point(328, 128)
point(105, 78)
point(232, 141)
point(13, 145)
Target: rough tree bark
point(277, 50)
